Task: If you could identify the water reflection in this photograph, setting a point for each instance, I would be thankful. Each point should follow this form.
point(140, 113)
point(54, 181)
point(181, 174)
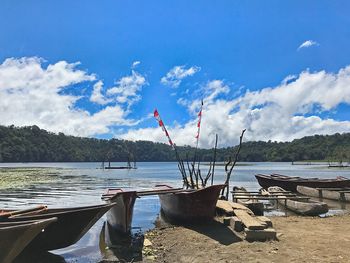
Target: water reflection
point(120, 248)
point(39, 257)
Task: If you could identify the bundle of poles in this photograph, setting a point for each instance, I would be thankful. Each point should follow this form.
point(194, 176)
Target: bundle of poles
point(190, 170)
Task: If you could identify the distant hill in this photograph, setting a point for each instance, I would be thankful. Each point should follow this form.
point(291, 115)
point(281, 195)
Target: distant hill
point(32, 144)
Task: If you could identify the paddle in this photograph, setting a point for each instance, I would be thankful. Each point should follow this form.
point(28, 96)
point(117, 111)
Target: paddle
point(34, 210)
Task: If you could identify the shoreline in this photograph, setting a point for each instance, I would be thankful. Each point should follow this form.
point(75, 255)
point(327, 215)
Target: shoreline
point(300, 239)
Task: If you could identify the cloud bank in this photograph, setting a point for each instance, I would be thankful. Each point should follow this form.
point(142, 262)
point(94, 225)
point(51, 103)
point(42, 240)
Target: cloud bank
point(290, 110)
point(32, 94)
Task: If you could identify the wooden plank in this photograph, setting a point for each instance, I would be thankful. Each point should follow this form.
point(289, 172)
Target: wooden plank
point(147, 192)
point(257, 195)
point(258, 192)
point(162, 191)
point(273, 198)
point(224, 206)
point(266, 220)
point(260, 235)
point(236, 224)
point(250, 222)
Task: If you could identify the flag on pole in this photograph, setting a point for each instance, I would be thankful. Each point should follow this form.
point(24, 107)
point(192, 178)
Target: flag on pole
point(161, 124)
point(199, 122)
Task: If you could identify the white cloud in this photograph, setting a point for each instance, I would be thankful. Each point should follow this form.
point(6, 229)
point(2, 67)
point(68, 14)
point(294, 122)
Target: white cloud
point(174, 77)
point(31, 94)
point(284, 112)
point(97, 95)
point(308, 43)
point(135, 64)
point(127, 89)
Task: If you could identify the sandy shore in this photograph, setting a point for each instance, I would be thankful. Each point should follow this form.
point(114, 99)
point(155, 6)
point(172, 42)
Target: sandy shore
point(300, 239)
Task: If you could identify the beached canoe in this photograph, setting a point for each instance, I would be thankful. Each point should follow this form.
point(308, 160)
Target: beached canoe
point(339, 194)
point(119, 217)
point(253, 204)
point(190, 205)
point(298, 205)
point(15, 236)
point(71, 225)
point(290, 183)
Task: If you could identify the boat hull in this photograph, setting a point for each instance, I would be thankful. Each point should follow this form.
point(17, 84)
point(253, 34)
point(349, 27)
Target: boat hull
point(290, 183)
point(15, 236)
point(119, 217)
point(324, 193)
point(307, 208)
point(191, 206)
point(71, 225)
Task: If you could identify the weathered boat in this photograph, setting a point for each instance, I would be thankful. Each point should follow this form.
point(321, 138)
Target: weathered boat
point(290, 183)
point(119, 217)
point(15, 236)
point(190, 205)
point(241, 195)
point(339, 194)
point(71, 225)
point(298, 205)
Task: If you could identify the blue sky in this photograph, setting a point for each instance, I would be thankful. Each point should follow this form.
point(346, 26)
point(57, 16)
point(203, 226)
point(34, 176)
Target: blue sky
point(247, 47)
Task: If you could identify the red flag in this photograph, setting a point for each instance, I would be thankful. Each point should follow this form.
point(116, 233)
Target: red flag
point(161, 124)
point(156, 114)
point(199, 123)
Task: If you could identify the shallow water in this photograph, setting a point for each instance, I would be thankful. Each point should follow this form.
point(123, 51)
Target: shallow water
point(75, 184)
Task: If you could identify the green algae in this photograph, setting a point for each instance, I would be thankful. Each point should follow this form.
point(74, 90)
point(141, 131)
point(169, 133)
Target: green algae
point(22, 177)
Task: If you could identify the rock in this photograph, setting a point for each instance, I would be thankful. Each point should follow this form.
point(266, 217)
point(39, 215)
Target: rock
point(151, 257)
point(147, 243)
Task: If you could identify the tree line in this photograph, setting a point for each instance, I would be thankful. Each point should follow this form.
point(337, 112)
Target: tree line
point(32, 144)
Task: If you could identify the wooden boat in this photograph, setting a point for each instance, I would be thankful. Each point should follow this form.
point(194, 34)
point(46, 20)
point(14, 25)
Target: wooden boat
point(290, 183)
point(253, 204)
point(190, 205)
point(15, 236)
point(71, 225)
point(298, 205)
point(339, 194)
point(119, 217)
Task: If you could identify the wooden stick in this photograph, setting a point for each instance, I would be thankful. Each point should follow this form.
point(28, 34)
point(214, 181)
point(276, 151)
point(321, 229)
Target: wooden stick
point(7, 214)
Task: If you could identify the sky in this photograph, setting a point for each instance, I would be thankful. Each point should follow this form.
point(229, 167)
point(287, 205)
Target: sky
point(279, 69)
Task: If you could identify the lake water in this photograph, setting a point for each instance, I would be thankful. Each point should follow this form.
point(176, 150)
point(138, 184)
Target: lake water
point(76, 184)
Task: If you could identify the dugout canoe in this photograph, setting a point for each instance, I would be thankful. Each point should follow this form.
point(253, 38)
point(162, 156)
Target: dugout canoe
point(298, 205)
point(71, 225)
point(190, 205)
point(119, 217)
point(15, 236)
point(253, 204)
point(290, 183)
point(338, 194)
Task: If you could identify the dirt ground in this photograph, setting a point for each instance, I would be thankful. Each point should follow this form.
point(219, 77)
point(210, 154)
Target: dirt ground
point(300, 239)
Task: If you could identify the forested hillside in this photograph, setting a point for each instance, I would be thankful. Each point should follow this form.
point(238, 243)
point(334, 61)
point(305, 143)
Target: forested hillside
point(32, 144)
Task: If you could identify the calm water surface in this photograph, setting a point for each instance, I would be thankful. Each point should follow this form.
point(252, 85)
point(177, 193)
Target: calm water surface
point(75, 184)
